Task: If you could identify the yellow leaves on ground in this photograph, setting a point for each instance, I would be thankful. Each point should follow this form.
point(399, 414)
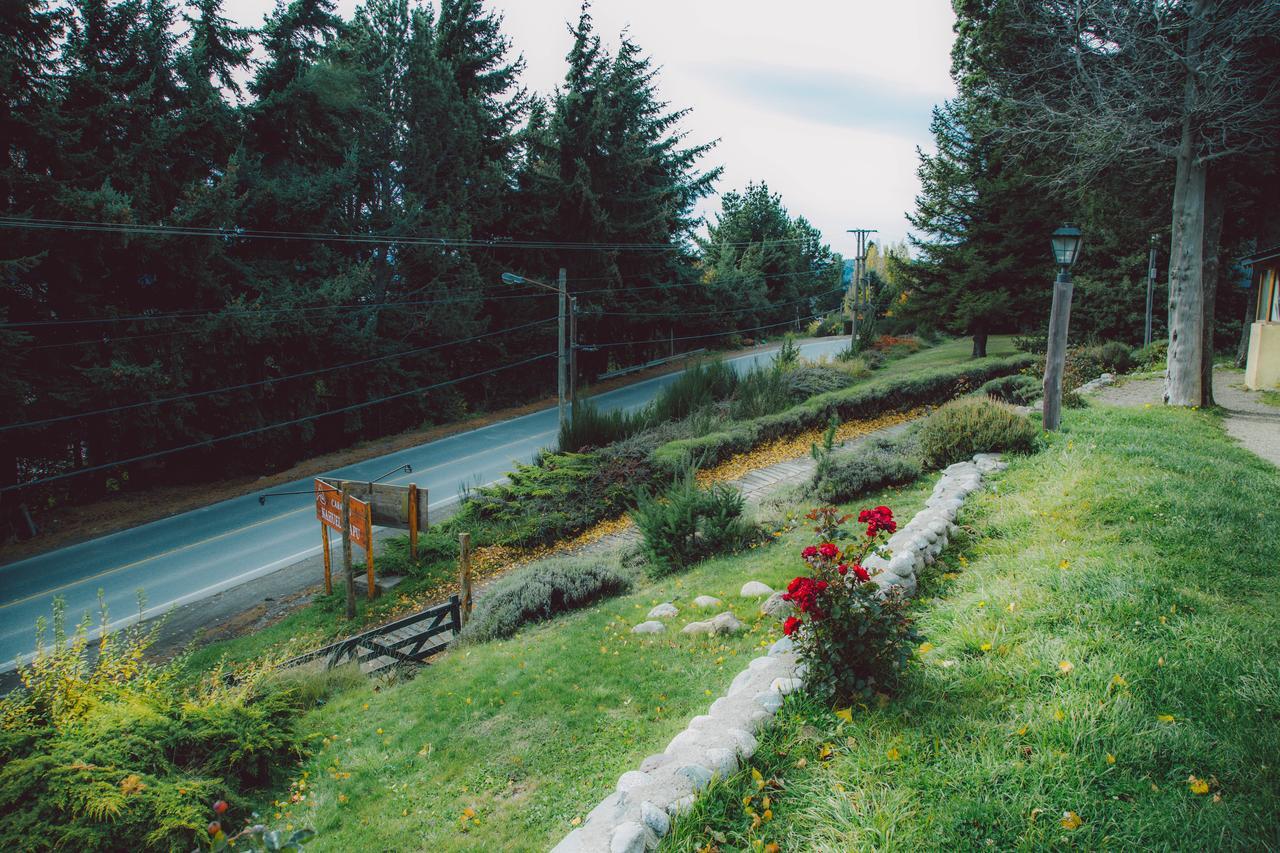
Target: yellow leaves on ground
point(1197, 785)
point(925, 648)
point(1066, 666)
point(1111, 759)
point(845, 714)
point(1071, 821)
point(576, 821)
point(1118, 681)
point(893, 754)
point(986, 647)
point(1064, 565)
point(1165, 718)
point(757, 778)
point(825, 752)
point(1059, 715)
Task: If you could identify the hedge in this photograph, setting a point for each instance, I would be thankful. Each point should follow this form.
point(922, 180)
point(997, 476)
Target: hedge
point(900, 394)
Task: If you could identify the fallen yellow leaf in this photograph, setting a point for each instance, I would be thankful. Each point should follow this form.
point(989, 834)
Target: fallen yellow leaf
point(1066, 666)
point(1165, 718)
point(893, 754)
point(757, 778)
point(825, 752)
point(1059, 715)
point(1111, 759)
point(1070, 820)
point(1197, 786)
point(986, 647)
point(575, 821)
point(925, 648)
point(468, 813)
point(1022, 731)
point(1118, 681)
point(845, 714)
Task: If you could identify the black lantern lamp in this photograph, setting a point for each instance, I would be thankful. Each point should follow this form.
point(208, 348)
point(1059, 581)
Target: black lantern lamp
point(1066, 245)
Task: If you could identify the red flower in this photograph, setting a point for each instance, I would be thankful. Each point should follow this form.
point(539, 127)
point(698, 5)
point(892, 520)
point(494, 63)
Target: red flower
point(829, 550)
point(878, 519)
point(790, 625)
point(220, 806)
point(804, 592)
point(861, 573)
point(842, 569)
point(811, 551)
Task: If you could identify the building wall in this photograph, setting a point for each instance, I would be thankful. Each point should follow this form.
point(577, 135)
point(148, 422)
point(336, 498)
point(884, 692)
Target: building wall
point(1262, 369)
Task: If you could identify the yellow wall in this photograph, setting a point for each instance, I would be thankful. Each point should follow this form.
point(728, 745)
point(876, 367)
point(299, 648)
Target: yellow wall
point(1262, 370)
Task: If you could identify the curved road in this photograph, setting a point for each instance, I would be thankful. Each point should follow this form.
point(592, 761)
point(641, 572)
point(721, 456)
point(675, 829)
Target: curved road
point(196, 554)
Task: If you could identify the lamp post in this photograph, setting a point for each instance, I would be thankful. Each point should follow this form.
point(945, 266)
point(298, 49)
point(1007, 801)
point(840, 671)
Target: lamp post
point(562, 375)
point(1151, 287)
point(1066, 246)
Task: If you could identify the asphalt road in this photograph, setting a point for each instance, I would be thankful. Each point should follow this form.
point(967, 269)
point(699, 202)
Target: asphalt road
point(197, 554)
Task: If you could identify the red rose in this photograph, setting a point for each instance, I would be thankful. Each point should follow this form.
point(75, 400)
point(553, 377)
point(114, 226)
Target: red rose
point(878, 519)
point(790, 625)
point(829, 550)
point(842, 569)
point(811, 551)
point(861, 574)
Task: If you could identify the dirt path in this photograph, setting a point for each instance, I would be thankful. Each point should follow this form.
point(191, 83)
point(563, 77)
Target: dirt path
point(1248, 420)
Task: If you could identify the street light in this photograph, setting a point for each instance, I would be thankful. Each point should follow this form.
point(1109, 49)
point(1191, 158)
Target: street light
point(1066, 248)
point(563, 382)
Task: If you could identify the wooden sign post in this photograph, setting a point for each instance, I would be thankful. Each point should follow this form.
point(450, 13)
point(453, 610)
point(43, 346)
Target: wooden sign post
point(346, 553)
point(464, 574)
point(362, 534)
point(413, 521)
point(329, 513)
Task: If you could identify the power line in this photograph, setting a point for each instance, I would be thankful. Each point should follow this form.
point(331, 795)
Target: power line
point(747, 309)
point(268, 427)
point(196, 394)
point(699, 337)
point(374, 239)
point(196, 315)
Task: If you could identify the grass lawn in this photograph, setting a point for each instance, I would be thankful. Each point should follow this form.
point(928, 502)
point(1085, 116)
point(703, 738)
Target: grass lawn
point(529, 733)
point(1102, 669)
point(316, 624)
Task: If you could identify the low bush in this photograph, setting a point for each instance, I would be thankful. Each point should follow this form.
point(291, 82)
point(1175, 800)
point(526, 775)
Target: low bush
point(1019, 390)
point(591, 427)
point(1154, 356)
point(688, 523)
point(540, 592)
point(111, 754)
point(809, 380)
point(1115, 357)
point(855, 368)
point(1034, 344)
point(974, 425)
point(848, 474)
point(692, 390)
point(874, 359)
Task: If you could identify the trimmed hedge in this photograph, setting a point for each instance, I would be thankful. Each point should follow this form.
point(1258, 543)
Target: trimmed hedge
point(540, 592)
point(874, 464)
point(931, 387)
point(965, 427)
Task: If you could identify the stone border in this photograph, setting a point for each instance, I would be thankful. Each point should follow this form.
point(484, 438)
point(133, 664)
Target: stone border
point(638, 813)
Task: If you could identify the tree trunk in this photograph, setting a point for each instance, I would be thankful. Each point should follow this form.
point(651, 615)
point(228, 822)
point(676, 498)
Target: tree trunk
point(1186, 283)
point(980, 345)
point(1215, 210)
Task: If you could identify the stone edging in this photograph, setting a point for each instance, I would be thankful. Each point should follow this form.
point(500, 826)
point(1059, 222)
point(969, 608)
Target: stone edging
point(638, 813)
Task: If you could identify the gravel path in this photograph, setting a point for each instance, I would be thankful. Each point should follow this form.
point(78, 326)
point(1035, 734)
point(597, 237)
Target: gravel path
point(1250, 421)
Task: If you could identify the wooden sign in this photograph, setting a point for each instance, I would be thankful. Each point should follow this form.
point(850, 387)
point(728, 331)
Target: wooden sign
point(390, 504)
point(328, 505)
point(360, 523)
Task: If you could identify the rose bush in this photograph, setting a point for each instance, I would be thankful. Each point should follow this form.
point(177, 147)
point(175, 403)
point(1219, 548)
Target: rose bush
point(854, 637)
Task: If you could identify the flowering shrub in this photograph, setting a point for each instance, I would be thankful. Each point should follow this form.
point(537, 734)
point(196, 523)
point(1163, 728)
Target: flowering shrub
point(854, 638)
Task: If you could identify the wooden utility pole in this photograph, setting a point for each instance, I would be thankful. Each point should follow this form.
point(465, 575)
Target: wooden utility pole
point(346, 553)
point(573, 353)
point(412, 512)
point(1056, 356)
point(856, 282)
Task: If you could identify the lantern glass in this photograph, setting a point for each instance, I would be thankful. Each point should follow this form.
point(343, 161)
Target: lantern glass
point(1066, 245)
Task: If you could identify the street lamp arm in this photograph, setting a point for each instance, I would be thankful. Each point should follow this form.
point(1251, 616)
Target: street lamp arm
point(512, 278)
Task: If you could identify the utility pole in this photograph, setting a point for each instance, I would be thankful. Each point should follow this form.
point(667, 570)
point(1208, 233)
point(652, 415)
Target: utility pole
point(563, 384)
point(857, 281)
point(1151, 286)
point(573, 354)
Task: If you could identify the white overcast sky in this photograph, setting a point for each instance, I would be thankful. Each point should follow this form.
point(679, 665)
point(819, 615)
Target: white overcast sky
point(825, 100)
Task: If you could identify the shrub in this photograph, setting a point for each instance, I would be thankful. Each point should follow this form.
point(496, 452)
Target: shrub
point(874, 359)
point(1115, 357)
point(111, 754)
point(689, 523)
point(1154, 356)
point(854, 639)
point(808, 380)
point(845, 475)
point(1035, 344)
point(975, 425)
point(591, 427)
point(540, 592)
point(692, 390)
point(1019, 390)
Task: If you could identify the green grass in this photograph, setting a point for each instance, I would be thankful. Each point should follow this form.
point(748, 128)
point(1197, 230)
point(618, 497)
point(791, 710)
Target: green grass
point(1140, 548)
point(1269, 397)
point(944, 355)
point(531, 732)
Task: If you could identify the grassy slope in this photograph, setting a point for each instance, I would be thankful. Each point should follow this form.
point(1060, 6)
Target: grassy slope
point(312, 626)
point(533, 731)
point(1140, 548)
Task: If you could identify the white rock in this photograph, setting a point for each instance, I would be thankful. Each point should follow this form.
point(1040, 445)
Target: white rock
point(665, 610)
point(680, 806)
point(699, 777)
point(755, 589)
point(723, 761)
point(649, 628)
point(655, 819)
point(627, 838)
point(770, 700)
point(632, 779)
point(782, 646)
point(727, 623)
point(785, 685)
point(705, 601)
point(698, 628)
point(776, 607)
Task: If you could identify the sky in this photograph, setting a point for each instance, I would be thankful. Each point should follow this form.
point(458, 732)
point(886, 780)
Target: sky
point(824, 100)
